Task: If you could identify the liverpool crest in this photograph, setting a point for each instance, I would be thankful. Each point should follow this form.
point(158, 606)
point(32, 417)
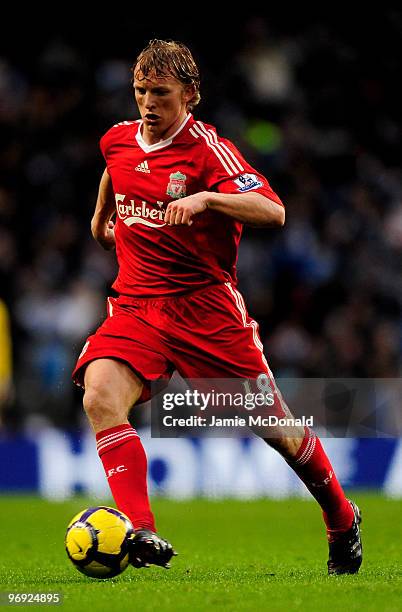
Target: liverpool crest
point(177, 185)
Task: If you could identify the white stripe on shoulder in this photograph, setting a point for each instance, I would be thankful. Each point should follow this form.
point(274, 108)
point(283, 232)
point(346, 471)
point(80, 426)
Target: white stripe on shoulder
point(222, 144)
point(233, 156)
point(214, 148)
point(218, 146)
point(193, 133)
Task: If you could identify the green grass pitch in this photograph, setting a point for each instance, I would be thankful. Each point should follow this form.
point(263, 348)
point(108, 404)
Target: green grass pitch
point(233, 555)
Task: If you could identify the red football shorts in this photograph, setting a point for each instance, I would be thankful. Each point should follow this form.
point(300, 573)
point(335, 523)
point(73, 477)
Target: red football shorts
point(204, 334)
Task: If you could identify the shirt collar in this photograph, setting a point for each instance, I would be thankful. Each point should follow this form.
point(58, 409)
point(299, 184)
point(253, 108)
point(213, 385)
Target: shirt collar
point(163, 143)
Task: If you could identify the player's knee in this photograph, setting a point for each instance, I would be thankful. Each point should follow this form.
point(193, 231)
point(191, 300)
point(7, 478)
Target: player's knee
point(100, 407)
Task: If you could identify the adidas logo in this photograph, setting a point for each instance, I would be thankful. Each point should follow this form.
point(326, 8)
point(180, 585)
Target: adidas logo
point(143, 167)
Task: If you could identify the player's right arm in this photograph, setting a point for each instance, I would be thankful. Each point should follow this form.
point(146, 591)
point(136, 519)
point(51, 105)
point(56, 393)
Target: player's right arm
point(102, 226)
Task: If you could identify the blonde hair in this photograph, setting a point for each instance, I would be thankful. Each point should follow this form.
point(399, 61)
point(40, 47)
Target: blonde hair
point(170, 58)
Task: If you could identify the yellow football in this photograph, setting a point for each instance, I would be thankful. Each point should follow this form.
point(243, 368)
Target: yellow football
point(97, 541)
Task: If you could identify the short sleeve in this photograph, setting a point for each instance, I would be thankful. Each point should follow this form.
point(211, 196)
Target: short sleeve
point(115, 135)
point(228, 172)
point(103, 144)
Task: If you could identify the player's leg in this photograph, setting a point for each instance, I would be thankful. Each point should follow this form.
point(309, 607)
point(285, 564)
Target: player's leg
point(303, 451)
point(306, 456)
point(112, 368)
point(111, 389)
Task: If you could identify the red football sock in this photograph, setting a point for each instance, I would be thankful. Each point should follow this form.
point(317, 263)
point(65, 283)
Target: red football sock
point(313, 467)
point(125, 464)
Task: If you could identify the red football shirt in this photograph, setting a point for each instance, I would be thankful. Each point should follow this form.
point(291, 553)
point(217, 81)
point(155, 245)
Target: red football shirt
point(156, 259)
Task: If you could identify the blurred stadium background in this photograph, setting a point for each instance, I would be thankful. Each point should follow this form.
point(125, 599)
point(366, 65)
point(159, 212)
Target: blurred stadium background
point(313, 104)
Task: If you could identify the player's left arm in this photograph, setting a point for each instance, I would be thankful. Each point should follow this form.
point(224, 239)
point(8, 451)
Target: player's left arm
point(250, 208)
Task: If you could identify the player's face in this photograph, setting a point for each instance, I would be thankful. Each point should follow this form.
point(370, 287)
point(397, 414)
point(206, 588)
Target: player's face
point(162, 102)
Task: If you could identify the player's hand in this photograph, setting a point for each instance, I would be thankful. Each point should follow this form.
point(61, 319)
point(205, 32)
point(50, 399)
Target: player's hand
point(180, 212)
point(105, 236)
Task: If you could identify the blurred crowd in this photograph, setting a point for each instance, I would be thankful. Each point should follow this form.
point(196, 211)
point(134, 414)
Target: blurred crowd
point(315, 108)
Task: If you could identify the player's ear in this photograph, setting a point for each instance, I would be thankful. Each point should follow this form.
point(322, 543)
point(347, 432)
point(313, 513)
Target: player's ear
point(188, 93)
